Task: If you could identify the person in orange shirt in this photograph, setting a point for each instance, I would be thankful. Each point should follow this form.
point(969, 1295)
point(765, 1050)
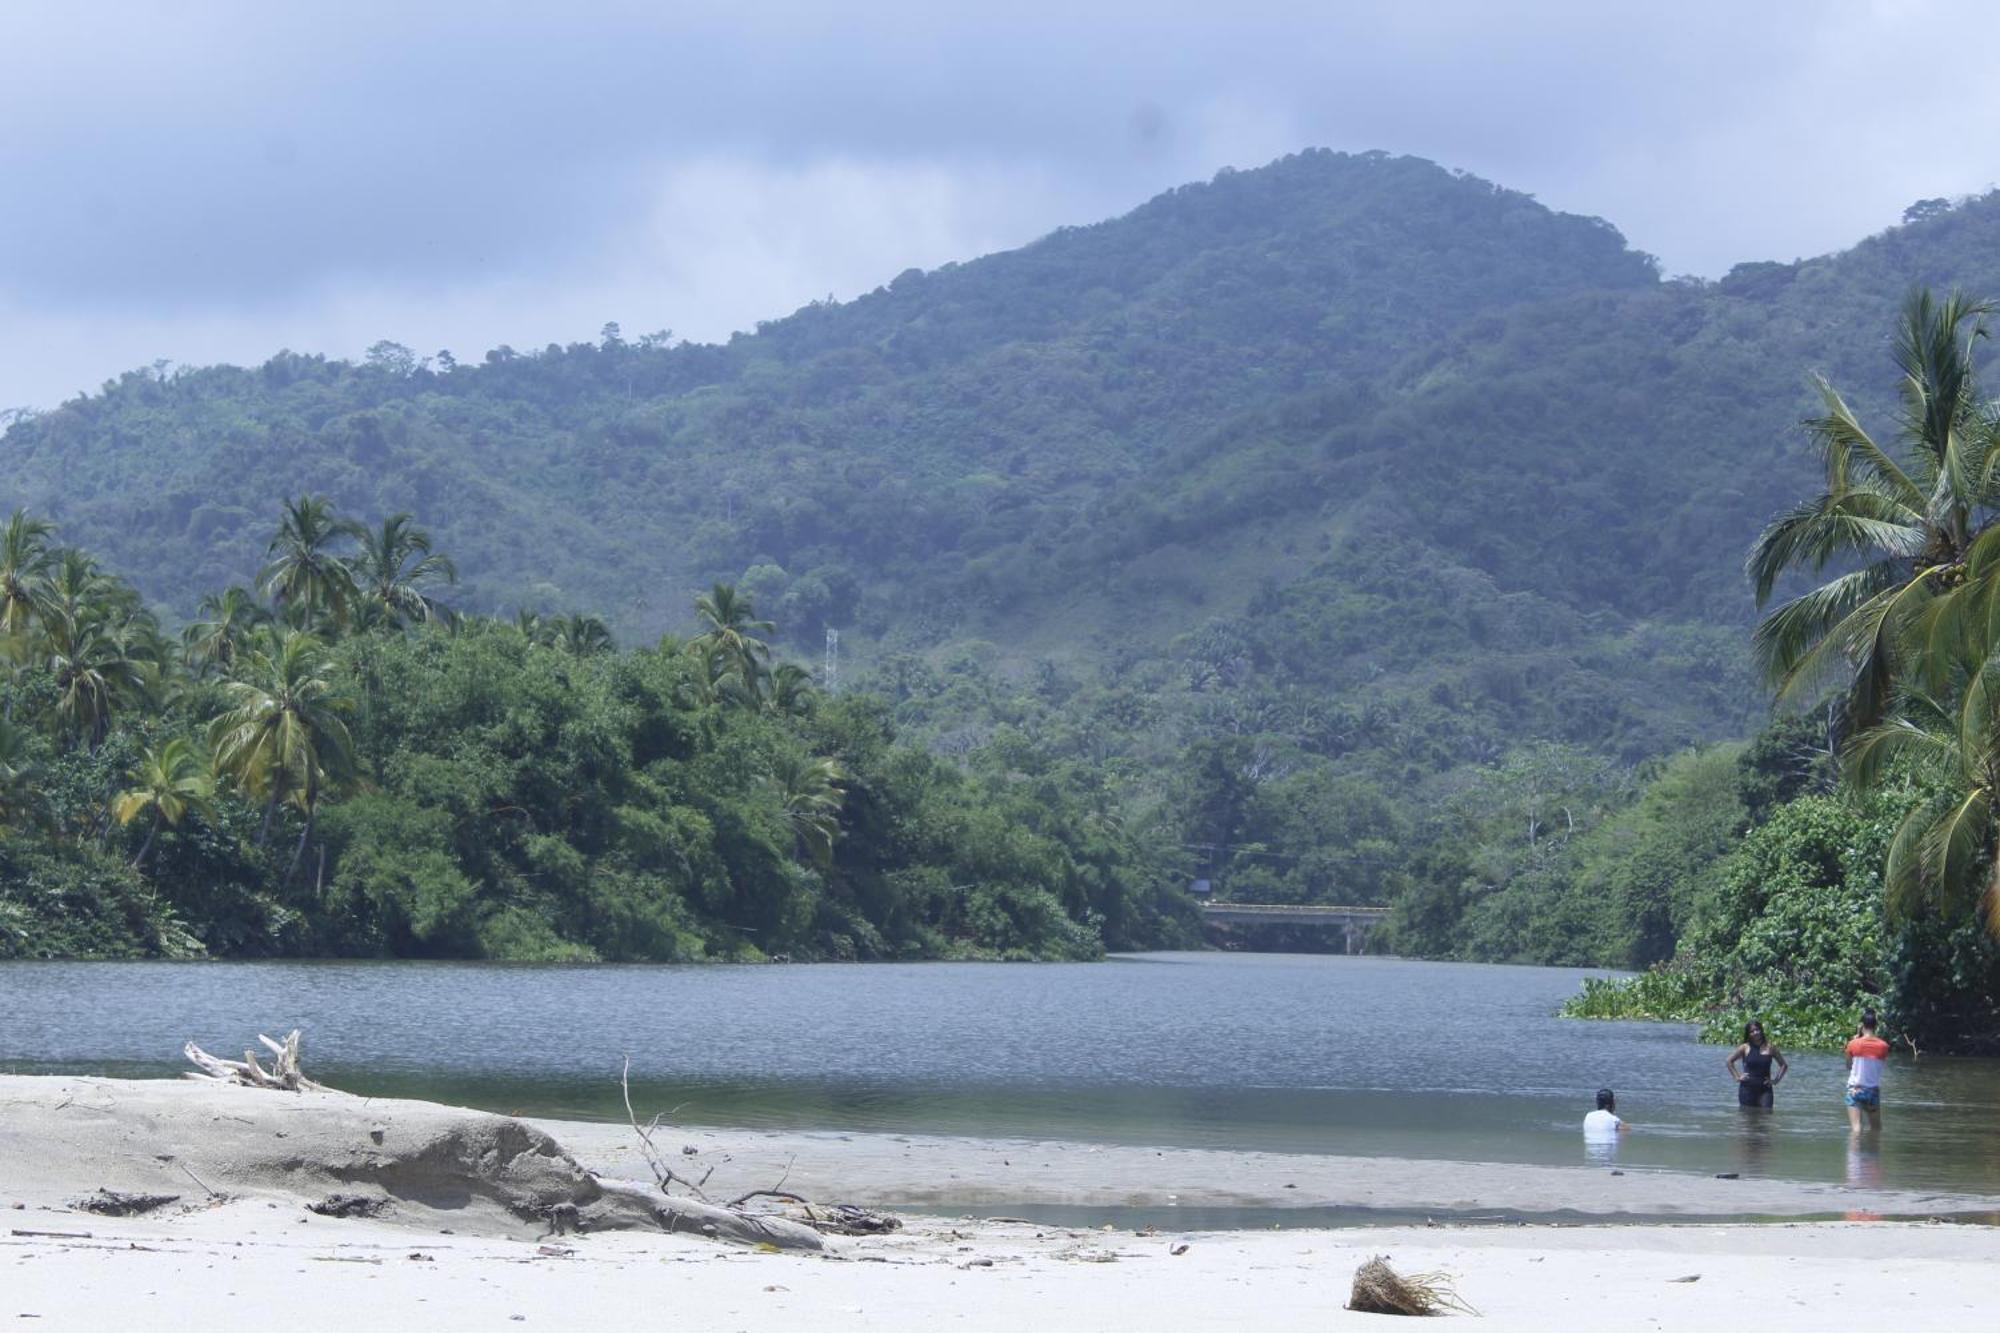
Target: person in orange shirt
point(1865, 1054)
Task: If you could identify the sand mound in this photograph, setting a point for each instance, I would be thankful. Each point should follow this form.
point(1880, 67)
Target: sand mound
point(428, 1165)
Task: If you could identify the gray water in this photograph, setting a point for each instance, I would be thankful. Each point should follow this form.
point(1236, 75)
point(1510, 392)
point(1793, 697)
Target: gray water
point(1291, 1053)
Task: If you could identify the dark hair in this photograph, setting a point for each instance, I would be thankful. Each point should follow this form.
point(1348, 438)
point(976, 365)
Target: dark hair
point(1752, 1025)
point(1605, 1099)
point(1868, 1018)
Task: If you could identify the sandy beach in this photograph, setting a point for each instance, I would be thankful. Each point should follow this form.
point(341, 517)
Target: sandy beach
point(238, 1248)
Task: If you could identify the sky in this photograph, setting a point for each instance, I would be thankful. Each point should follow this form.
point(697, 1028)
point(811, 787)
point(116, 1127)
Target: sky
point(215, 181)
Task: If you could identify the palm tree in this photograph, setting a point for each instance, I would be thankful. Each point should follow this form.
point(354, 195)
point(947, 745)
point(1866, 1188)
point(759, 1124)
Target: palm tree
point(303, 572)
point(578, 635)
point(1908, 516)
point(1951, 752)
point(731, 626)
point(24, 562)
point(77, 589)
point(719, 678)
point(809, 795)
point(791, 690)
point(169, 780)
point(96, 669)
point(282, 737)
point(392, 567)
point(216, 641)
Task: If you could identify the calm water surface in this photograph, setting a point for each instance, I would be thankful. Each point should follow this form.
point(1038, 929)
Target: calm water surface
point(1286, 1052)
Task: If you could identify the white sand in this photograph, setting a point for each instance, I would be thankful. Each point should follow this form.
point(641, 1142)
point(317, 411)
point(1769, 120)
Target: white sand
point(992, 1175)
point(260, 1260)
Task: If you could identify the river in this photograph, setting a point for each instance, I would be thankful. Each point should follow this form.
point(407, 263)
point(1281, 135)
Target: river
point(1370, 1056)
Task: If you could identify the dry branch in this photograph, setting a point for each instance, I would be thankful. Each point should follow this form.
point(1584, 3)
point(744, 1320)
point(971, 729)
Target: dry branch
point(284, 1074)
point(732, 1220)
point(663, 1174)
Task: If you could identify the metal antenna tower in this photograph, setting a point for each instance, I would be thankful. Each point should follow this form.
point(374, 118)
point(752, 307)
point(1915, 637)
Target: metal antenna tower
point(830, 673)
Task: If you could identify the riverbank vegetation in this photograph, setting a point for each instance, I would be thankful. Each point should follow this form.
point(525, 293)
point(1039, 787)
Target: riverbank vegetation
point(335, 763)
point(1884, 889)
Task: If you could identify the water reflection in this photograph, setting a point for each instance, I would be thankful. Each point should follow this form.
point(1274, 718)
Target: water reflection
point(1753, 1142)
point(1864, 1161)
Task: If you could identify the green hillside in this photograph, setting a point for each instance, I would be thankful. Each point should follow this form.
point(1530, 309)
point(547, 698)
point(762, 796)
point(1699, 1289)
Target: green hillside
point(1306, 504)
point(999, 410)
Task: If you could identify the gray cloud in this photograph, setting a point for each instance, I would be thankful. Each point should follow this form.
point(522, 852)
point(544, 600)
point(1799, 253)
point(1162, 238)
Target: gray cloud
point(214, 182)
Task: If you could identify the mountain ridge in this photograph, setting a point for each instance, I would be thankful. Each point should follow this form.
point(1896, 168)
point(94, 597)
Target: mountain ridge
point(1344, 435)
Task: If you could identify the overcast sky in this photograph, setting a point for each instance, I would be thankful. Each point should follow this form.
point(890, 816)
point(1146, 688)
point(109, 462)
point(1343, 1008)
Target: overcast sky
point(211, 182)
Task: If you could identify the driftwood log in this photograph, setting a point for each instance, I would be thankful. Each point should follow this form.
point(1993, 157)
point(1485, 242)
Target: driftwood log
point(458, 1157)
point(283, 1076)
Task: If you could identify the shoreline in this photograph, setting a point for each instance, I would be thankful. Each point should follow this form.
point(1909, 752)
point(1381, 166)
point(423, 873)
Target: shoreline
point(239, 1243)
point(946, 1174)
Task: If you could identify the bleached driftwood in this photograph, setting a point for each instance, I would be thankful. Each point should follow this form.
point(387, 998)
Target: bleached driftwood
point(284, 1074)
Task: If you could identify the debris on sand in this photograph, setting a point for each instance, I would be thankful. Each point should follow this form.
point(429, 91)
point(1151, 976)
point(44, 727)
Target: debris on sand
point(115, 1203)
point(348, 1205)
point(1380, 1289)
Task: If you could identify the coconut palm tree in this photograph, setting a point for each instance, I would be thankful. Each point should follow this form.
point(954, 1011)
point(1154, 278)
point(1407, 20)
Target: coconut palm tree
point(303, 572)
point(393, 566)
point(78, 589)
point(729, 634)
point(578, 635)
point(170, 780)
point(283, 739)
point(810, 797)
point(96, 669)
point(1905, 515)
point(790, 690)
point(1943, 851)
point(215, 642)
point(24, 563)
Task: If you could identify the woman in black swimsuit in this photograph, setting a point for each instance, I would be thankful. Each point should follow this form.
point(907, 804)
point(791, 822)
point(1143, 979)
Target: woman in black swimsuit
point(1755, 1081)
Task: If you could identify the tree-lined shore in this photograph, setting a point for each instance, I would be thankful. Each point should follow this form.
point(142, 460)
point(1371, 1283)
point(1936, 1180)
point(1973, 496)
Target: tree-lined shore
point(333, 762)
point(1879, 885)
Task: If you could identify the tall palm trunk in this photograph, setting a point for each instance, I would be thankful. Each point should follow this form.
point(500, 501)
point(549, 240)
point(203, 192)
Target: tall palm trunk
point(151, 834)
point(312, 815)
point(299, 852)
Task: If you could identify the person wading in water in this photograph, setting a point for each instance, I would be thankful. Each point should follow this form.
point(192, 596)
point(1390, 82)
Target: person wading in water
point(1754, 1082)
point(1865, 1055)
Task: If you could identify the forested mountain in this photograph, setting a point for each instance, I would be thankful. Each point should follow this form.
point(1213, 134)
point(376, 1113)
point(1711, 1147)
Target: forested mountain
point(915, 454)
point(1314, 504)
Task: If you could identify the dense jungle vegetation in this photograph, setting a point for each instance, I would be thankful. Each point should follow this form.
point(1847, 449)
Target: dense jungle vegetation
point(1346, 530)
point(336, 764)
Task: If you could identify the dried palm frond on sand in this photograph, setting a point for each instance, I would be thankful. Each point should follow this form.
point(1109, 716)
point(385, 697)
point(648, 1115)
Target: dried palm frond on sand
point(1380, 1289)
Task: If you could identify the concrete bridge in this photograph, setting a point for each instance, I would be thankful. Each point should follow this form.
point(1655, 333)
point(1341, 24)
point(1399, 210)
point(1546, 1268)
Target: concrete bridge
point(1355, 922)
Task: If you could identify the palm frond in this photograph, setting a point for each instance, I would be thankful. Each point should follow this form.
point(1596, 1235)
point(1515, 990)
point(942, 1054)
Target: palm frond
point(1896, 743)
point(1955, 844)
point(1843, 442)
point(1904, 873)
point(1864, 642)
point(1837, 525)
